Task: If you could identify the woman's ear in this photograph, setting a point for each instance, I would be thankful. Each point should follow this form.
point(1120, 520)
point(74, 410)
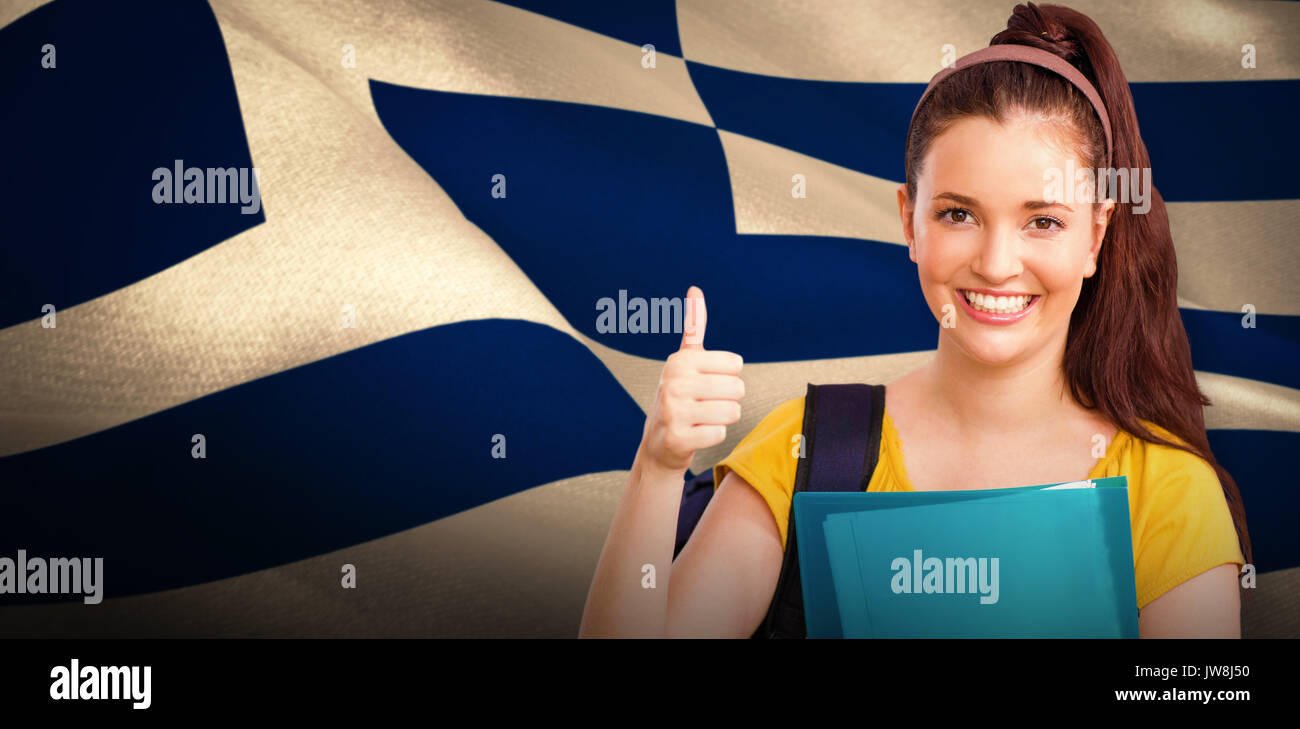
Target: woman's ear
point(1101, 222)
point(905, 213)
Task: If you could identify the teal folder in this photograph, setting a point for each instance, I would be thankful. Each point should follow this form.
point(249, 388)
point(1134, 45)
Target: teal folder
point(1040, 561)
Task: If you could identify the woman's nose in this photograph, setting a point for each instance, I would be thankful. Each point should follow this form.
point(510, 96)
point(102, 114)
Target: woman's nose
point(998, 258)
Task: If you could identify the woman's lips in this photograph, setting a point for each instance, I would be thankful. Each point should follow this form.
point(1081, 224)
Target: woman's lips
point(986, 317)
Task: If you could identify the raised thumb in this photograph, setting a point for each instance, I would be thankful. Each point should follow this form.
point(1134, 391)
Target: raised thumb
point(694, 318)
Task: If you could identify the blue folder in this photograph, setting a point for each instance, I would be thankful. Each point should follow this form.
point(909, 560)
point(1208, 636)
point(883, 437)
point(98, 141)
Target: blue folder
point(1040, 561)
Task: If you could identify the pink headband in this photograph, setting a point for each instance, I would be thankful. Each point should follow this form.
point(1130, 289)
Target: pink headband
point(1025, 54)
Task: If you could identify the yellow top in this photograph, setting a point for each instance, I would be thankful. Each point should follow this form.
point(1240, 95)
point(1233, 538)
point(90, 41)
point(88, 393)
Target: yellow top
point(1180, 520)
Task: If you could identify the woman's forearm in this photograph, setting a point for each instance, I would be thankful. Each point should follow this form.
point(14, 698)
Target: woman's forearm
point(627, 598)
point(698, 396)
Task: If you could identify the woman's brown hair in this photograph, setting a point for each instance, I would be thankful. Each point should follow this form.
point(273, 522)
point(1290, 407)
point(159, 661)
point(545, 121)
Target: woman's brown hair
point(1127, 353)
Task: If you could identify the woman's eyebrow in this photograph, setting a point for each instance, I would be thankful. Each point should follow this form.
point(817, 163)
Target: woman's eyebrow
point(959, 199)
point(1029, 204)
point(1040, 204)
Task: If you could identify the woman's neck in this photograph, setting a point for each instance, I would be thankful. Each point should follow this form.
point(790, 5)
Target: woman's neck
point(996, 399)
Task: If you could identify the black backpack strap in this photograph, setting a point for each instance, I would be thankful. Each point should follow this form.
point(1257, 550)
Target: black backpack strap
point(841, 441)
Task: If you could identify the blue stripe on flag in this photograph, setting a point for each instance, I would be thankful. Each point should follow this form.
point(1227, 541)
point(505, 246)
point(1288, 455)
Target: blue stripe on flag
point(1267, 485)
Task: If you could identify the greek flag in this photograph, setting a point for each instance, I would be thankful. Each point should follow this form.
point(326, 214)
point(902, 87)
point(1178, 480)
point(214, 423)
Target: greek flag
point(290, 287)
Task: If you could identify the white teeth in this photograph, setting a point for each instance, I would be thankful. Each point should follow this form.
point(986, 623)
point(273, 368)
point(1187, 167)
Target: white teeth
point(997, 304)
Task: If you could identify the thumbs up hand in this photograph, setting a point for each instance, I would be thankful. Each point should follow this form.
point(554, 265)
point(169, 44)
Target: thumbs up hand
point(699, 395)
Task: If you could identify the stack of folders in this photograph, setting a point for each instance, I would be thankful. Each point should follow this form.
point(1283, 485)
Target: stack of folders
point(1051, 561)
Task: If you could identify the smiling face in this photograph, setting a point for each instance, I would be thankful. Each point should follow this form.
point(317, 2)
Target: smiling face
point(981, 225)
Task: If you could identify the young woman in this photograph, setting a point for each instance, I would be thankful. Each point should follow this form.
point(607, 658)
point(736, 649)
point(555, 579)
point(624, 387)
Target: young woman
point(1062, 331)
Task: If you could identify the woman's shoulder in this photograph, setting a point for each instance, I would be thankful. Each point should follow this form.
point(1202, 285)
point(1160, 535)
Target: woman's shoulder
point(1166, 476)
point(1168, 456)
point(1181, 522)
point(785, 418)
point(767, 458)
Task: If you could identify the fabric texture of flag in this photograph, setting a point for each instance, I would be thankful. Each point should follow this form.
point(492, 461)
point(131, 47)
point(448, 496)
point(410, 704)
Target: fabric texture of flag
point(352, 351)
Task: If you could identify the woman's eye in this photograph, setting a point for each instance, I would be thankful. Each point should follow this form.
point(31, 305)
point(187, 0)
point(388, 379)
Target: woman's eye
point(955, 215)
point(1045, 223)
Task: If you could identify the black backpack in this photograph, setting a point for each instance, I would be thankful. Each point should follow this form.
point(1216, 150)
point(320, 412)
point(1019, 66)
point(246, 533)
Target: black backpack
point(841, 442)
